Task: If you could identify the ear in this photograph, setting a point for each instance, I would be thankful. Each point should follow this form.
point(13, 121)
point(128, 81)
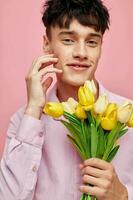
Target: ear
point(46, 45)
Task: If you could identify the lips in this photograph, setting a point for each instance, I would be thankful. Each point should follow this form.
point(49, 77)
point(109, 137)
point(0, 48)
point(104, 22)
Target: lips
point(78, 66)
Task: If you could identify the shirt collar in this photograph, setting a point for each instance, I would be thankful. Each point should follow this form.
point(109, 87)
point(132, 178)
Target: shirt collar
point(52, 95)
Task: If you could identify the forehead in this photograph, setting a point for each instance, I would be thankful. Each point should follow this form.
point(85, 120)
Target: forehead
point(75, 28)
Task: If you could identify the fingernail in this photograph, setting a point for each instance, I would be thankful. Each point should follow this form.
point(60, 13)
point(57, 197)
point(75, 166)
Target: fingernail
point(48, 54)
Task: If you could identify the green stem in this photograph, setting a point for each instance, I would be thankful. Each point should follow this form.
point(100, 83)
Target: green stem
point(113, 135)
point(87, 197)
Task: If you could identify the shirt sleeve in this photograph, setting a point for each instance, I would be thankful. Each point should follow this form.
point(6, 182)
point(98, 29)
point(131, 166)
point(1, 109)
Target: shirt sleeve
point(125, 162)
point(130, 191)
point(21, 158)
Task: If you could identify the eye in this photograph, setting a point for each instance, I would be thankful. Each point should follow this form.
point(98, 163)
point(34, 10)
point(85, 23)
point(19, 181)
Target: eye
point(92, 43)
point(67, 41)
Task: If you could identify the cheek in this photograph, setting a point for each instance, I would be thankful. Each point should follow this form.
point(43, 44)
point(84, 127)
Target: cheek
point(62, 53)
point(95, 57)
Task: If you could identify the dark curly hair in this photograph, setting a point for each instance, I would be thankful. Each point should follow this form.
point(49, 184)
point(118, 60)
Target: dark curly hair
point(87, 12)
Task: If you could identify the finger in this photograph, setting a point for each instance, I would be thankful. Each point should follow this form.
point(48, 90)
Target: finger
point(81, 166)
point(39, 58)
point(90, 180)
point(98, 163)
point(91, 190)
point(47, 83)
point(99, 182)
point(98, 173)
point(43, 62)
point(47, 64)
point(45, 71)
point(92, 171)
point(49, 54)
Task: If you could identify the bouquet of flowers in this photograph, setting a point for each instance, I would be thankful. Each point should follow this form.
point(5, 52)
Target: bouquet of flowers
point(94, 125)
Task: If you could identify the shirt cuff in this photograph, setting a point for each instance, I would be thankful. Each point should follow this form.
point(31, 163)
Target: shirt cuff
point(31, 131)
point(130, 191)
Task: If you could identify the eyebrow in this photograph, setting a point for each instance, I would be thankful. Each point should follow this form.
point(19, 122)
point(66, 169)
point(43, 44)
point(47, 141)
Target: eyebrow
point(75, 33)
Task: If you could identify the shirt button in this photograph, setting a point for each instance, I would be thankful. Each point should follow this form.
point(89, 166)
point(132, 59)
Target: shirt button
point(34, 169)
point(40, 134)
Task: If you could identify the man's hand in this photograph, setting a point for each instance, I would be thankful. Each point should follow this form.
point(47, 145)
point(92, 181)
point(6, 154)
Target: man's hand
point(37, 86)
point(104, 180)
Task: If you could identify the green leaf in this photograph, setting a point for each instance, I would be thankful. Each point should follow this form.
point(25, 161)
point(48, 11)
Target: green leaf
point(72, 140)
point(113, 153)
point(112, 137)
point(88, 139)
point(76, 127)
point(94, 140)
point(91, 118)
point(122, 132)
point(84, 129)
point(72, 118)
point(101, 143)
point(76, 135)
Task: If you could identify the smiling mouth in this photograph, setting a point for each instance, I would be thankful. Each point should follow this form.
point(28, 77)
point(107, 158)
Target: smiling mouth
point(78, 66)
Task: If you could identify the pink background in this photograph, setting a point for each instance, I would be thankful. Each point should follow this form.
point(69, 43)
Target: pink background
point(21, 34)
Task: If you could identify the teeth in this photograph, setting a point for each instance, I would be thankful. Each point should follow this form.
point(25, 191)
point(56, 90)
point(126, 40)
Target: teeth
point(80, 66)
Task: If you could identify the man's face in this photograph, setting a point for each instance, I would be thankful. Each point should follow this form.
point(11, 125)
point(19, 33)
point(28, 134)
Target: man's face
point(78, 49)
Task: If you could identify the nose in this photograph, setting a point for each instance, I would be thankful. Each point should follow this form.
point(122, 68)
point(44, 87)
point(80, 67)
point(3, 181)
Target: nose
point(80, 52)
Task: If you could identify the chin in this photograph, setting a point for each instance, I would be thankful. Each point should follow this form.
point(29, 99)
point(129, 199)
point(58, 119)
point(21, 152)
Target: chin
point(74, 82)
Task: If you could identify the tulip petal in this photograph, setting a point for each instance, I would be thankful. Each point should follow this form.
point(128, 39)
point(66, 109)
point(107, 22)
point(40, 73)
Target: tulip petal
point(108, 124)
point(130, 122)
point(53, 109)
point(80, 113)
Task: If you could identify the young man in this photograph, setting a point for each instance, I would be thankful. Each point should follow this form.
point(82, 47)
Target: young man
point(39, 162)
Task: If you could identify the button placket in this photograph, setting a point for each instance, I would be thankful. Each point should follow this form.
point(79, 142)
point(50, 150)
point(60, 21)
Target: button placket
point(34, 168)
point(41, 134)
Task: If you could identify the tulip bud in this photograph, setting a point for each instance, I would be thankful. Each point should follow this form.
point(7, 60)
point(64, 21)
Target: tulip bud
point(91, 86)
point(54, 109)
point(80, 113)
point(110, 108)
point(108, 123)
point(68, 108)
point(101, 105)
point(72, 102)
point(86, 98)
point(124, 112)
point(109, 120)
point(70, 105)
point(130, 122)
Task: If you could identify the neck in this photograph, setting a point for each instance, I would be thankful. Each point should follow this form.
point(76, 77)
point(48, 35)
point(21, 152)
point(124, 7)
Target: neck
point(64, 91)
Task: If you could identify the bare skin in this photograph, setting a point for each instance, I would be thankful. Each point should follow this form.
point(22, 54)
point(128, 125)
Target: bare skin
point(102, 175)
point(36, 87)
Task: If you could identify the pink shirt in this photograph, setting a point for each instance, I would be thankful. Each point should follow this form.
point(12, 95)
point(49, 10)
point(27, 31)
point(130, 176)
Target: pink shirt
point(39, 162)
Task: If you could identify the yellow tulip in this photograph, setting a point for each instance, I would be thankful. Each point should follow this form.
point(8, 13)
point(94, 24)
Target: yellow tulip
point(80, 112)
point(53, 109)
point(124, 112)
point(70, 105)
point(110, 108)
point(101, 105)
point(72, 102)
point(91, 86)
point(68, 108)
point(86, 98)
point(108, 123)
point(130, 122)
point(109, 120)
